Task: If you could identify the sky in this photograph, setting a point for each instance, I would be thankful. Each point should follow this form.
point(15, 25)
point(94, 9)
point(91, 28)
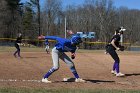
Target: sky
point(131, 4)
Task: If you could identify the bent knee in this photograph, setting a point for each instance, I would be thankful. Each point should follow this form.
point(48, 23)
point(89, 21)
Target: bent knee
point(70, 65)
point(73, 69)
point(55, 68)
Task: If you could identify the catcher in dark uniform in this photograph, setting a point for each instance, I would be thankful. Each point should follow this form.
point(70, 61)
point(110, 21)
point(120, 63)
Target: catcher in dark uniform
point(115, 45)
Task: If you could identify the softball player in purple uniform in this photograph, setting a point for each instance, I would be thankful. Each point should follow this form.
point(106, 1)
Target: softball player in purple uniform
point(111, 47)
point(62, 46)
point(17, 43)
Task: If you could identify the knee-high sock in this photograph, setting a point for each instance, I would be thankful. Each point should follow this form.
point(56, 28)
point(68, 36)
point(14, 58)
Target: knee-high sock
point(74, 72)
point(19, 53)
point(117, 67)
point(114, 66)
point(49, 72)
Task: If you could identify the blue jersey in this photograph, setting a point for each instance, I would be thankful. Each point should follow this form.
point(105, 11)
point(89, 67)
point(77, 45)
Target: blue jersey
point(46, 42)
point(62, 45)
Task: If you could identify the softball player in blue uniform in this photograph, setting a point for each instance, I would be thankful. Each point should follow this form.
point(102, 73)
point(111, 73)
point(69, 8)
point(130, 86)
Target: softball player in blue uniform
point(17, 43)
point(63, 45)
point(47, 46)
point(111, 47)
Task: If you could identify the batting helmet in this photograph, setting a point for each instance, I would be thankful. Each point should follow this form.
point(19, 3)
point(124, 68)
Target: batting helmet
point(76, 39)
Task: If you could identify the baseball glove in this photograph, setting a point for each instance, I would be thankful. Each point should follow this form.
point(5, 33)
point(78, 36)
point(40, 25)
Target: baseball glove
point(121, 48)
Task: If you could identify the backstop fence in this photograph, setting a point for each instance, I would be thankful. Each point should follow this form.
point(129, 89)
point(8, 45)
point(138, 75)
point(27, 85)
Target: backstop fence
point(84, 45)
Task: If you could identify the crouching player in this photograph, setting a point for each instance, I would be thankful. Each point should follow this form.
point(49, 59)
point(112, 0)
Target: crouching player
point(63, 45)
point(111, 47)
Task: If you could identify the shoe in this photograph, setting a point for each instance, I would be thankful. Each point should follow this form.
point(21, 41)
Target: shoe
point(113, 72)
point(79, 80)
point(45, 80)
point(120, 74)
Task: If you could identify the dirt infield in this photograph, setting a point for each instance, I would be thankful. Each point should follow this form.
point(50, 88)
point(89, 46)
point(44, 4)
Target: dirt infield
point(94, 67)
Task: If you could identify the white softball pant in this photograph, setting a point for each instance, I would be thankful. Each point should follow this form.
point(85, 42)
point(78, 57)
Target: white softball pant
point(47, 47)
point(55, 57)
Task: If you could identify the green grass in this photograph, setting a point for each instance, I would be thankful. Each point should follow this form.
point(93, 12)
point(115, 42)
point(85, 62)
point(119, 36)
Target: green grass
point(15, 90)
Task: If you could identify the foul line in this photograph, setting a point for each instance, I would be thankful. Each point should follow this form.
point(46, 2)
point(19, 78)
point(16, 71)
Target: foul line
point(15, 80)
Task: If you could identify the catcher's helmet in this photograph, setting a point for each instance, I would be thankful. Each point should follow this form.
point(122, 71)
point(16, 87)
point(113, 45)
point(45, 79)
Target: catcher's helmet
point(76, 39)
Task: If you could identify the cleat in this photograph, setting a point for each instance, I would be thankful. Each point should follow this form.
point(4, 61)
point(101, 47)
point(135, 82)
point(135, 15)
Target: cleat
point(79, 80)
point(120, 75)
point(45, 80)
point(113, 72)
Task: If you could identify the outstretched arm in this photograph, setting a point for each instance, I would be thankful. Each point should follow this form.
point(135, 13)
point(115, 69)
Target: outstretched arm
point(48, 37)
point(51, 37)
point(41, 37)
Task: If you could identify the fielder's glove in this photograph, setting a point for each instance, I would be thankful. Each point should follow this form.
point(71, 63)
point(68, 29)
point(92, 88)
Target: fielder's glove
point(121, 48)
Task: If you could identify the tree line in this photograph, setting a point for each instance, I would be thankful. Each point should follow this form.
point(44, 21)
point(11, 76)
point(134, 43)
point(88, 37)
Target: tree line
point(99, 16)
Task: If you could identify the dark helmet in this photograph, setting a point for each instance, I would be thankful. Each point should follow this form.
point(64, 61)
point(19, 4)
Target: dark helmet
point(76, 39)
point(120, 30)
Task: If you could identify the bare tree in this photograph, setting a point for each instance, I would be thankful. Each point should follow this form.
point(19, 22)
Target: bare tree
point(100, 16)
point(3, 17)
point(36, 3)
point(51, 12)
